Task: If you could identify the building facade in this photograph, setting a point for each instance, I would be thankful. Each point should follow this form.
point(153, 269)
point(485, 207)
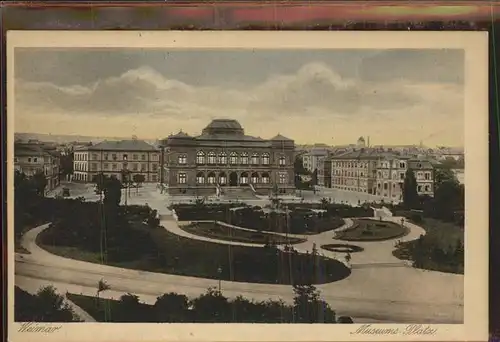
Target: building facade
point(222, 157)
point(312, 158)
point(114, 158)
point(325, 172)
point(391, 174)
point(380, 173)
point(355, 171)
point(32, 158)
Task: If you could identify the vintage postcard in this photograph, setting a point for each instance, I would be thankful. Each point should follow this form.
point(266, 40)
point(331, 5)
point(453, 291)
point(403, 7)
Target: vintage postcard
point(240, 185)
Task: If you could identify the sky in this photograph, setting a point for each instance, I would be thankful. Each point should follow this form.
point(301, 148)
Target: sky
point(312, 96)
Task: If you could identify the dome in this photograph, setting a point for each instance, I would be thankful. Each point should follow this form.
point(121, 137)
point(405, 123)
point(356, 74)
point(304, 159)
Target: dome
point(361, 139)
point(224, 126)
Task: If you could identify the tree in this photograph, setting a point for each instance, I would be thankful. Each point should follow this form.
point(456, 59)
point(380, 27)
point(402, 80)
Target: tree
point(66, 163)
point(138, 179)
point(45, 306)
point(172, 307)
point(314, 180)
point(442, 175)
point(211, 306)
point(129, 309)
point(309, 308)
point(100, 181)
point(112, 191)
point(324, 203)
point(40, 183)
point(410, 194)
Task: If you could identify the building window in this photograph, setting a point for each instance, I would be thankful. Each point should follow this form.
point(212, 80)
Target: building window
point(93, 166)
point(200, 178)
point(200, 157)
point(144, 167)
point(265, 178)
point(154, 157)
point(244, 158)
point(427, 176)
point(113, 156)
point(282, 160)
point(105, 166)
point(94, 156)
point(255, 159)
point(244, 178)
point(212, 158)
point(143, 157)
point(222, 179)
point(135, 157)
point(255, 178)
point(211, 177)
point(402, 165)
point(105, 156)
point(419, 188)
point(135, 167)
point(233, 158)
point(29, 160)
point(113, 166)
point(154, 178)
point(385, 186)
point(182, 178)
point(125, 157)
point(35, 160)
point(182, 159)
point(154, 167)
point(282, 178)
point(223, 158)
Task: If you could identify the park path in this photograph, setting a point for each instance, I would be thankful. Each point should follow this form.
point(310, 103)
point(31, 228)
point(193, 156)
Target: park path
point(382, 292)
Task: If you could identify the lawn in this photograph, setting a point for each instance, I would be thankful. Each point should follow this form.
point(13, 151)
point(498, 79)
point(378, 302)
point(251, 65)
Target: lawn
point(165, 252)
point(223, 232)
point(372, 230)
point(440, 249)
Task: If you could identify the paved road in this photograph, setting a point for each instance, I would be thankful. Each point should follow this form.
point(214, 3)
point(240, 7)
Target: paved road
point(379, 288)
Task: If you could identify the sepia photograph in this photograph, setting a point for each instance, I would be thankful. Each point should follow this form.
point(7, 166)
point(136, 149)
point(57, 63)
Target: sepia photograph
point(248, 178)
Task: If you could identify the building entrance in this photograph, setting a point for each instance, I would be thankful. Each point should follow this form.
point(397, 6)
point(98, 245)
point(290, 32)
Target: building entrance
point(233, 179)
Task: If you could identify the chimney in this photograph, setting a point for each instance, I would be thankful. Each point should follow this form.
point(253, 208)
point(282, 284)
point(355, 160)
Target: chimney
point(368, 142)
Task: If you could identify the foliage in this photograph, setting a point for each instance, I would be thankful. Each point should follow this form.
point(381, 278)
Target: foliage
point(214, 307)
point(45, 306)
point(66, 163)
point(372, 230)
point(440, 249)
point(410, 194)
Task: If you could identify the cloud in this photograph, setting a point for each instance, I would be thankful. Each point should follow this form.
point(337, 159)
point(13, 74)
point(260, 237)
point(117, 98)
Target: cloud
point(315, 92)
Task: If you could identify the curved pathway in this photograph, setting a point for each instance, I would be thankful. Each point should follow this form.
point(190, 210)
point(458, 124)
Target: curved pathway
point(379, 292)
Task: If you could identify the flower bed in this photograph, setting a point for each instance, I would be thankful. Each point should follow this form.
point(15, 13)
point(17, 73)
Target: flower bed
point(343, 248)
point(223, 232)
point(372, 230)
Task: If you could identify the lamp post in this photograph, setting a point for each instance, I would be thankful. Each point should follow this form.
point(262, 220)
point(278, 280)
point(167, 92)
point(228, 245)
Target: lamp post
point(219, 271)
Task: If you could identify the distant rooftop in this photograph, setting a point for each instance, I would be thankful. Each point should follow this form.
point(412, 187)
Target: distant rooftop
point(121, 145)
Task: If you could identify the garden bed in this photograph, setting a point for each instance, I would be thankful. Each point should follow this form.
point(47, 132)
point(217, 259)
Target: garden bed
point(342, 248)
point(372, 230)
point(223, 232)
point(165, 252)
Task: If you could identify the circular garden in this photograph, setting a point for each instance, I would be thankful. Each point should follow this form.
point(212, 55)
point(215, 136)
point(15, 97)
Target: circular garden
point(372, 230)
point(342, 248)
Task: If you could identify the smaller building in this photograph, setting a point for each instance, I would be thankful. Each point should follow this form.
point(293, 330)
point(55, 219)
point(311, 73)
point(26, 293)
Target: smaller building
point(311, 159)
point(325, 172)
point(114, 158)
point(35, 157)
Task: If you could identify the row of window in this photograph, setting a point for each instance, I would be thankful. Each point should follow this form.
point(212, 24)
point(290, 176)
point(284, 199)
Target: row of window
point(222, 179)
point(234, 158)
point(34, 160)
point(384, 164)
point(420, 188)
point(114, 156)
point(133, 166)
point(85, 177)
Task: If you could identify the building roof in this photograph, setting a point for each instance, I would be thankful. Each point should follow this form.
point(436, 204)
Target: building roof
point(224, 124)
point(180, 135)
point(121, 145)
point(280, 137)
point(34, 149)
point(417, 164)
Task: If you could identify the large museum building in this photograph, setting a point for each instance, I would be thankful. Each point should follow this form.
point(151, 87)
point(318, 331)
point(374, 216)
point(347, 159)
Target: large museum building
point(223, 157)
